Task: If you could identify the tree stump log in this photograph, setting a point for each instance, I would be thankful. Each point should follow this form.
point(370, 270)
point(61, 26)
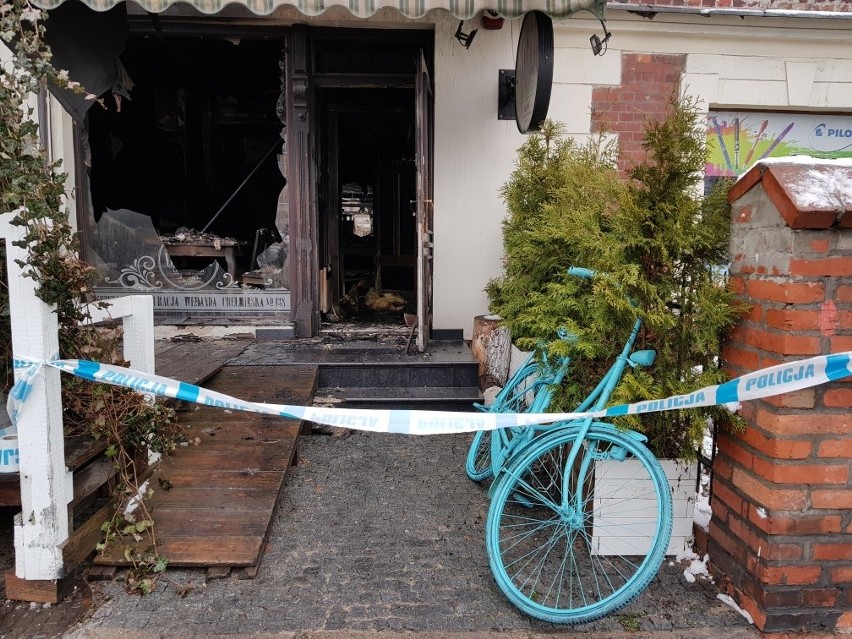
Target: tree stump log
point(490, 345)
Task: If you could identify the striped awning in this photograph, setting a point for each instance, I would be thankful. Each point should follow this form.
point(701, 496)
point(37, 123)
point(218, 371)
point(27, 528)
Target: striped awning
point(462, 9)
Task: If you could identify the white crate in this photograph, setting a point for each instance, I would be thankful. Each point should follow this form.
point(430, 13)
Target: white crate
point(613, 515)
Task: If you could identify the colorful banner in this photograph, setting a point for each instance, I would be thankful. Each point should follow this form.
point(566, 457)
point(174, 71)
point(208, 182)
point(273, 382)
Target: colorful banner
point(736, 140)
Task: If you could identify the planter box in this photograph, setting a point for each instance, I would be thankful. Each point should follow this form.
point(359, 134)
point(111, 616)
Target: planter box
point(609, 480)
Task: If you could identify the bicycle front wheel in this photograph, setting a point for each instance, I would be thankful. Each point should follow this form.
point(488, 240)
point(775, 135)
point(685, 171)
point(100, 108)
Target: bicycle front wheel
point(572, 544)
point(478, 463)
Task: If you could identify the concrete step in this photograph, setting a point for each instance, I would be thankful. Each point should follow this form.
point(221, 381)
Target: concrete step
point(397, 375)
point(363, 363)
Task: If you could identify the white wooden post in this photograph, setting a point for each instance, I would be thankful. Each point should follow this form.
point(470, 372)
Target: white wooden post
point(137, 315)
point(46, 485)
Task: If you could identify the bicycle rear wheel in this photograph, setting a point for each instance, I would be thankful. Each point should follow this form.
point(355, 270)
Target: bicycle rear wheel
point(478, 463)
point(570, 545)
point(512, 398)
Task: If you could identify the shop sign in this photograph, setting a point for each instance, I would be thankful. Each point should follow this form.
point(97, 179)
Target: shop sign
point(736, 140)
point(212, 302)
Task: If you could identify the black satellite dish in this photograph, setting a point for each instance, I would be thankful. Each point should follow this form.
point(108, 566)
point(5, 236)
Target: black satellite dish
point(533, 71)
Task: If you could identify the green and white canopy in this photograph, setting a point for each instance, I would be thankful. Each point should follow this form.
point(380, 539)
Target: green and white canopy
point(462, 9)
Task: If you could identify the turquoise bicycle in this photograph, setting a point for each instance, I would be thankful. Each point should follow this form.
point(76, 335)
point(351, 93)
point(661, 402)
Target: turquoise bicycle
point(581, 512)
point(530, 389)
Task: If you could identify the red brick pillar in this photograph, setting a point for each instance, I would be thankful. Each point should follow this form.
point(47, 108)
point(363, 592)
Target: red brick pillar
point(782, 497)
point(648, 83)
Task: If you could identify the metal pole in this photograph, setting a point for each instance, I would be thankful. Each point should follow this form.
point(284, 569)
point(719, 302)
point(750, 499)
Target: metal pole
point(244, 182)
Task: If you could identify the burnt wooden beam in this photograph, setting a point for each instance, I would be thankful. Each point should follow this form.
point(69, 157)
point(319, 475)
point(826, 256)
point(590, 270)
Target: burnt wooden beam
point(304, 261)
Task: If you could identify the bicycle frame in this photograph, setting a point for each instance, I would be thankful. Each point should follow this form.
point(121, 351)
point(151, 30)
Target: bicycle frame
point(506, 440)
point(511, 442)
point(604, 391)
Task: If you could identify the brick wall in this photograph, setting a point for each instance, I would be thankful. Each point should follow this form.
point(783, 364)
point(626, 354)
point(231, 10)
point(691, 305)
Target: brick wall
point(782, 494)
point(648, 82)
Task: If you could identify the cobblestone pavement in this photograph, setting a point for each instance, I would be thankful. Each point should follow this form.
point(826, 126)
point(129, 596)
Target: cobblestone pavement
point(20, 620)
point(382, 534)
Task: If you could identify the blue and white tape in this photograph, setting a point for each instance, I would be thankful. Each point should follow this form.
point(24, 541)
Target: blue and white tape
point(25, 370)
point(776, 380)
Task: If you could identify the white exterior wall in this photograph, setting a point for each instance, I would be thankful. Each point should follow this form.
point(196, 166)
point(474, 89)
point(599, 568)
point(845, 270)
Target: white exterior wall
point(473, 157)
point(766, 64)
point(475, 152)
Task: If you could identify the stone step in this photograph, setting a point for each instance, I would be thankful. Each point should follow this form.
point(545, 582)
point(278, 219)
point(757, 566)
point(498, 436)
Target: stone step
point(354, 363)
point(397, 375)
point(453, 398)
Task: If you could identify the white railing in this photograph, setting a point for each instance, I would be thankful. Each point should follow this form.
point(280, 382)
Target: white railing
point(137, 315)
point(47, 486)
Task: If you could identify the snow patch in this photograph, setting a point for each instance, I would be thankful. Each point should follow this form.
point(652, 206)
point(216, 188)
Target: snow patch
point(761, 512)
point(726, 599)
point(827, 186)
point(707, 439)
point(822, 189)
point(702, 513)
point(697, 568)
point(686, 555)
point(807, 159)
point(135, 501)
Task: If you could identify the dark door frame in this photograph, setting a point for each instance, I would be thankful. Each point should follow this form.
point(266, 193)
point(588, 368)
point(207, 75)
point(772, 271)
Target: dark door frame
point(329, 114)
point(302, 152)
point(304, 260)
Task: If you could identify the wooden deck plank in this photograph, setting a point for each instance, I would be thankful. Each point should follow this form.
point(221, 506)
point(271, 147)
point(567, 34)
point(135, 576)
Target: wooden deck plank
point(10, 490)
point(199, 551)
point(218, 498)
point(195, 362)
point(238, 432)
point(207, 460)
point(188, 523)
point(212, 418)
point(188, 364)
point(237, 479)
point(226, 483)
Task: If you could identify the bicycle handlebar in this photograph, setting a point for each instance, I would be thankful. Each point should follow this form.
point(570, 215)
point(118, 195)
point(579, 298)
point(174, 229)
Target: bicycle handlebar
point(587, 274)
point(579, 271)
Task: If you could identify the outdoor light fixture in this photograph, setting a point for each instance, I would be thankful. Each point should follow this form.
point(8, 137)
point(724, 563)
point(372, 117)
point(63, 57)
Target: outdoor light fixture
point(506, 94)
point(465, 38)
point(599, 46)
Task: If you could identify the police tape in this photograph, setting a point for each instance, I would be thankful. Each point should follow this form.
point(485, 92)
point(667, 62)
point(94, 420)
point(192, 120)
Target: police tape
point(775, 380)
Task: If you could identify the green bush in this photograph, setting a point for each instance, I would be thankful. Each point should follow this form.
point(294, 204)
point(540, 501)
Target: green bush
point(653, 238)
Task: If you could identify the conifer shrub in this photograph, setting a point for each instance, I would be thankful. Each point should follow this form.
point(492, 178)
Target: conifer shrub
point(660, 248)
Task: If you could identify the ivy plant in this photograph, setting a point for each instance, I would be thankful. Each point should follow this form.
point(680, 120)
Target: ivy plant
point(32, 189)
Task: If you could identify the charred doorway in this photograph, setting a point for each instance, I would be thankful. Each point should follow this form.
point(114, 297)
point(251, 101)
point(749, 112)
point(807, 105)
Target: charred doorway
point(185, 178)
point(369, 191)
point(371, 146)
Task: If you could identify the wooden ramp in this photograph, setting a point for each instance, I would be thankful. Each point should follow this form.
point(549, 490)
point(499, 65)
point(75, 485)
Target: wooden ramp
point(225, 485)
point(195, 362)
point(187, 361)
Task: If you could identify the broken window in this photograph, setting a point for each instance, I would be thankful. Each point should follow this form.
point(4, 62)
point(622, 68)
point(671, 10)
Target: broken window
point(186, 177)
